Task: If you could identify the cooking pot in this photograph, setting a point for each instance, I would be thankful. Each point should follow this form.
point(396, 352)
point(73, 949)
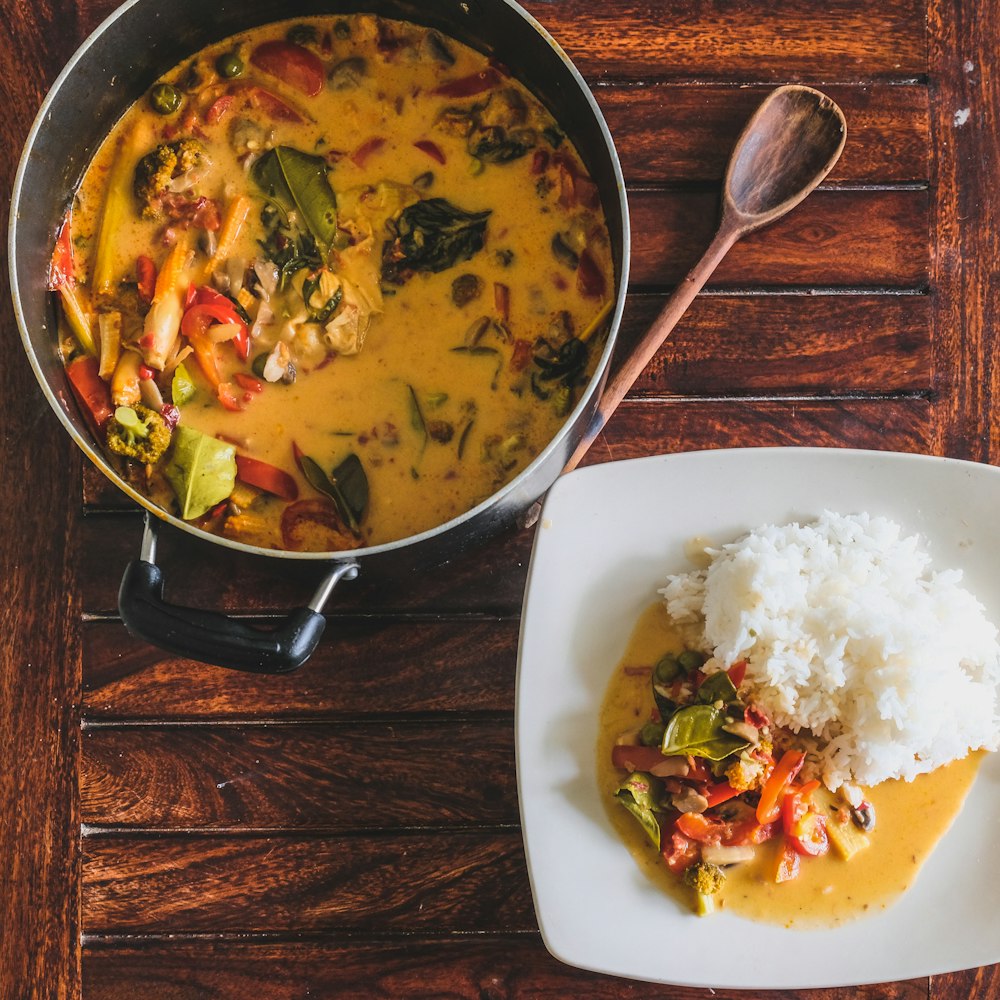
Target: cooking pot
point(112, 69)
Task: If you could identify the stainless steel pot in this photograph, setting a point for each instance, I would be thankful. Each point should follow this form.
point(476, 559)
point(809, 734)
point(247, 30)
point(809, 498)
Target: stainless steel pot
point(113, 68)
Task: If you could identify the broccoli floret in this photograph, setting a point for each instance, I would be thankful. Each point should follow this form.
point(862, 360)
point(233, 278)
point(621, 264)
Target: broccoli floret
point(705, 878)
point(156, 171)
point(138, 432)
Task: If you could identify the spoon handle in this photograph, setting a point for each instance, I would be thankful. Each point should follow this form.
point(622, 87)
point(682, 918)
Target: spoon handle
point(618, 386)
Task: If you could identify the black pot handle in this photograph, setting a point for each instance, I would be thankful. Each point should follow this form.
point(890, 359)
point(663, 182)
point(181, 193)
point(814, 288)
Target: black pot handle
point(213, 637)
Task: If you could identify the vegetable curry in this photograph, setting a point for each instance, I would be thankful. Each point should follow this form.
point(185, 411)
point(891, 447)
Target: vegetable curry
point(331, 283)
point(706, 835)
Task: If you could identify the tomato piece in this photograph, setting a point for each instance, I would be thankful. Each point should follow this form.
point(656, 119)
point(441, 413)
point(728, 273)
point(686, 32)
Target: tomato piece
point(369, 146)
point(219, 108)
point(804, 826)
point(737, 672)
point(697, 826)
point(636, 758)
point(145, 275)
point(273, 105)
point(589, 279)
point(769, 806)
point(699, 770)
point(467, 86)
point(292, 64)
point(787, 867)
point(91, 390)
point(432, 149)
point(749, 831)
point(267, 477)
point(679, 853)
point(61, 268)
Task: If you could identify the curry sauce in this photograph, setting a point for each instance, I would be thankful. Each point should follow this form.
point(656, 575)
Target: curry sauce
point(357, 267)
point(911, 818)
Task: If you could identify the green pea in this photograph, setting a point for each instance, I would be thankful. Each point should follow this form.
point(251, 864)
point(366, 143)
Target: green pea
point(651, 734)
point(258, 365)
point(229, 65)
point(667, 670)
point(164, 99)
point(690, 660)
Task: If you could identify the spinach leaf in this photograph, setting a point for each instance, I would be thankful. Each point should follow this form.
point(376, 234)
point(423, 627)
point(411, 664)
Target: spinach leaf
point(201, 470)
point(346, 486)
point(432, 235)
point(299, 181)
point(636, 794)
point(697, 731)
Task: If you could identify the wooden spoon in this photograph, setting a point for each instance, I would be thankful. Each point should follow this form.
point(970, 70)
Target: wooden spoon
point(789, 145)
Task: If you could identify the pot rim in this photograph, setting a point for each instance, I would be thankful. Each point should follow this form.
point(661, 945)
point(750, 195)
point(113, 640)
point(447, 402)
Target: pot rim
point(594, 386)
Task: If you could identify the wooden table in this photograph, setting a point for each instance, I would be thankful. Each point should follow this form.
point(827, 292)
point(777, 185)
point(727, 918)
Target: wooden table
point(172, 830)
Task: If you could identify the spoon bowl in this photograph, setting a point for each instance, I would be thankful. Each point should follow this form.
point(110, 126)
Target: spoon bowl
point(788, 146)
point(785, 150)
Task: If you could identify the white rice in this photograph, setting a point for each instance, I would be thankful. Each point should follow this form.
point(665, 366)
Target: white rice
point(849, 635)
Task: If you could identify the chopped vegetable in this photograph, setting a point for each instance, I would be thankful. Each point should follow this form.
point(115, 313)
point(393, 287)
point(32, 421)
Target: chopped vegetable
point(138, 432)
point(91, 390)
point(433, 235)
point(292, 64)
point(201, 470)
point(267, 477)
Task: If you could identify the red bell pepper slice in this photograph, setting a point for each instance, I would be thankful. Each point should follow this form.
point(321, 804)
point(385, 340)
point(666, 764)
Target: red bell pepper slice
point(369, 146)
point(636, 758)
point(61, 268)
point(266, 477)
point(273, 105)
point(91, 390)
point(292, 64)
point(589, 279)
point(145, 274)
point(468, 86)
point(719, 793)
point(227, 396)
point(522, 354)
point(432, 149)
point(205, 305)
point(737, 672)
point(769, 806)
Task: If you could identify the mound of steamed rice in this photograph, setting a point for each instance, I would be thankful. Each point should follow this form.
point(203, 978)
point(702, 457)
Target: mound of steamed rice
point(851, 637)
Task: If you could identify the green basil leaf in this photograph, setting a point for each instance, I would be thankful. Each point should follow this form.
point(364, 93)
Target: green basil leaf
point(201, 470)
point(637, 795)
point(717, 687)
point(299, 181)
point(432, 235)
point(696, 731)
point(347, 487)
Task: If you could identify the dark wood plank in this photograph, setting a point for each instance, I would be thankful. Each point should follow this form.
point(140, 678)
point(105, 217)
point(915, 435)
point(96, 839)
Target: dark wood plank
point(966, 985)
point(850, 238)
point(39, 655)
point(363, 664)
point(841, 40)
point(965, 97)
point(479, 968)
point(343, 777)
point(445, 882)
point(672, 133)
point(788, 345)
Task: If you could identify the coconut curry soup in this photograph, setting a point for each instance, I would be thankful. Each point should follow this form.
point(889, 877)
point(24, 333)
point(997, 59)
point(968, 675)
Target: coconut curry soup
point(331, 283)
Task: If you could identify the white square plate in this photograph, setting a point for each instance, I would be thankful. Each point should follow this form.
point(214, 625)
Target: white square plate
point(607, 538)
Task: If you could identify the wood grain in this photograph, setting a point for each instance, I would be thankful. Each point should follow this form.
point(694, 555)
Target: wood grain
point(380, 664)
point(850, 238)
point(461, 968)
point(670, 133)
point(334, 777)
point(459, 881)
